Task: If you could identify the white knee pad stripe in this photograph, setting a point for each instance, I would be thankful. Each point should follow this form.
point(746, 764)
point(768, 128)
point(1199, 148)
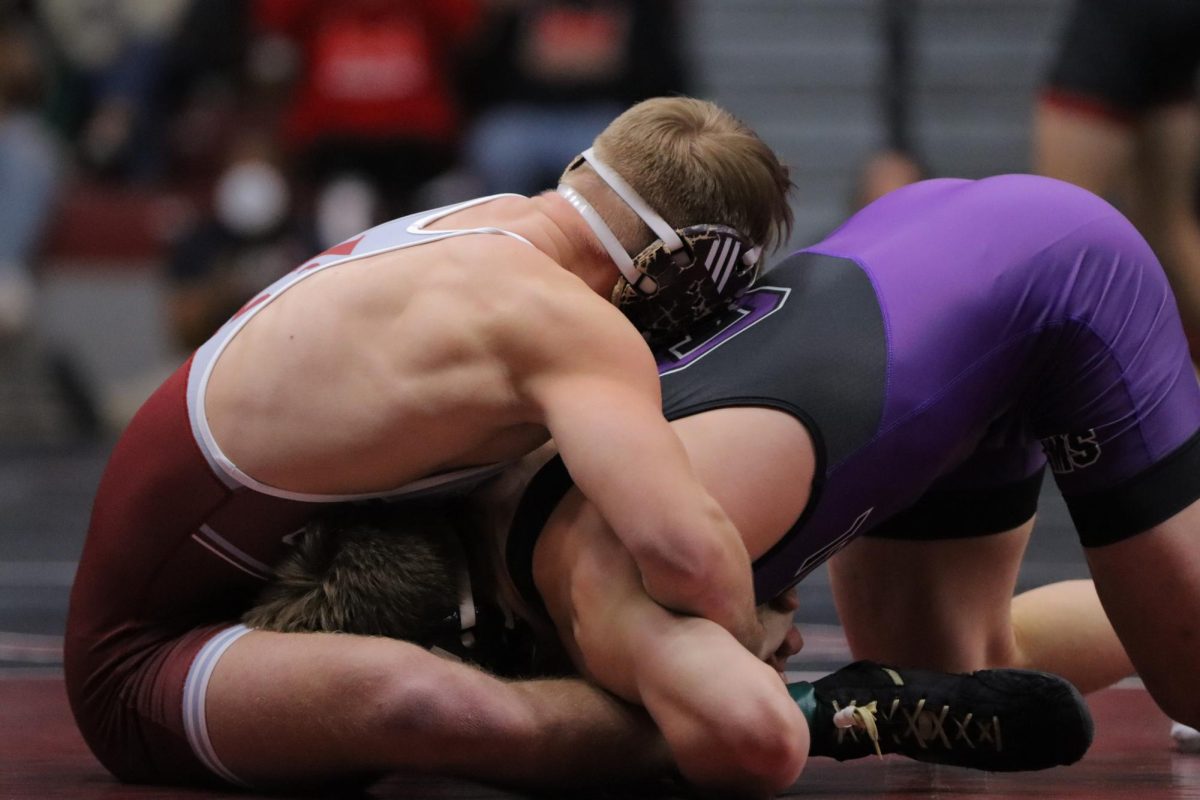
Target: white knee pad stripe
point(195, 692)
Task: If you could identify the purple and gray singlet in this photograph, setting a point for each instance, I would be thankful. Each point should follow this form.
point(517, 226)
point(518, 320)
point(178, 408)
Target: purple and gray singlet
point(942, 346)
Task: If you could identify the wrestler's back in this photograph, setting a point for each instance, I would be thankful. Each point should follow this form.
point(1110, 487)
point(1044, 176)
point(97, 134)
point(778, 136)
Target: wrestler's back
point(387, 369)
point(371, 375)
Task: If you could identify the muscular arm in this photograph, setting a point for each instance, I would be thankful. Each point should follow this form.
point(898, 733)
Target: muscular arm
point(745, 735)
point(601, 402)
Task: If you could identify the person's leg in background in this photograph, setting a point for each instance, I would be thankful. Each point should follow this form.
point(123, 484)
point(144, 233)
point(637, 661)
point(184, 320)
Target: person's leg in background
point(1081, 145)
point(1118, 117)
point(1163, 202)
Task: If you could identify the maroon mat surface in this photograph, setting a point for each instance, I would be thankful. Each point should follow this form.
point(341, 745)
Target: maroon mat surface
point(42, 757)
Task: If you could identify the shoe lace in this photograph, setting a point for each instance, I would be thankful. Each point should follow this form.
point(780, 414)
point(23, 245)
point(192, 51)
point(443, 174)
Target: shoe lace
point(855, 717)
point(925, 725)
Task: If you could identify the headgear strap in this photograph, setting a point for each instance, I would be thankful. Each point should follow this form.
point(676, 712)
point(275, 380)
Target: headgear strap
point(640, 207)
point(607, 238)
point(679, 278)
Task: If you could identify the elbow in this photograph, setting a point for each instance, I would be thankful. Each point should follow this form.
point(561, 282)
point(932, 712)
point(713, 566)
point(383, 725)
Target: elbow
point(769, 757)
point(761, 750)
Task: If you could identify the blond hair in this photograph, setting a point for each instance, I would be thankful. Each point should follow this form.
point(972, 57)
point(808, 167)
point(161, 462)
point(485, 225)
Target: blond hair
point(694, 163)
point(369, 569)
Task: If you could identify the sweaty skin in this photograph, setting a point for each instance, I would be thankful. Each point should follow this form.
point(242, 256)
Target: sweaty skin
point(474, 350)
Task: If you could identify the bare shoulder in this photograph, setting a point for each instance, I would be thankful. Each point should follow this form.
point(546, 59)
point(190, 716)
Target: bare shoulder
point(580, 332)
point(546, 317)
point(505, 273)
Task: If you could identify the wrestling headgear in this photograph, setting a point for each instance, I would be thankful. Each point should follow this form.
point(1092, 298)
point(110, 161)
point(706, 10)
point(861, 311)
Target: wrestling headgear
point(682, 277)
point(483, 634)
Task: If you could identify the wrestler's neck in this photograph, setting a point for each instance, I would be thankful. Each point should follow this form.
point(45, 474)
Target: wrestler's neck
point(576, 248)
point(549, 223)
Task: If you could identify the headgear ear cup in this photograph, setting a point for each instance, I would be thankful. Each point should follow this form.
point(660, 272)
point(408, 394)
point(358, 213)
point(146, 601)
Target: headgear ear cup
point(722, 264)
point(683, 276)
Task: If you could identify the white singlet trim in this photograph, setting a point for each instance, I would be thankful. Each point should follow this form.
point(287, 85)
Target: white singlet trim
point(195, 693)
point(208, 354)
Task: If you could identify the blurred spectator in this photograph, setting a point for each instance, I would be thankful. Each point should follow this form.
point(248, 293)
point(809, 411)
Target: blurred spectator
point(1118, 116)
point(203, 89)
point(895, 164)
point(250, 235)
point(883, 173)
point(29, 171)
point(112, 56)
point(548, 75)
point(366, 88)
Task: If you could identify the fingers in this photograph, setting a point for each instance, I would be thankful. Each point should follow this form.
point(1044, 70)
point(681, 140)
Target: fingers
point(793, 643)
point(776, 626)
point(788, 601)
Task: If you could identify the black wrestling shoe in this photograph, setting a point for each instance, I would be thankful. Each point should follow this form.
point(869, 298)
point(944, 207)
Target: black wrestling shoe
point(1001, 720)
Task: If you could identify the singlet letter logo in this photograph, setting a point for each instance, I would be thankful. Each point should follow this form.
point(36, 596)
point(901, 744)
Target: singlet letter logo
point(824, 553)
point(749, 310)
point(1068, 452)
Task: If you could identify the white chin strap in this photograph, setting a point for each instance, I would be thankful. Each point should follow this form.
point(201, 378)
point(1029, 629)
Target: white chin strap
point(604, 233)
point(607, 238)
point(670, 238)
point(615, 182)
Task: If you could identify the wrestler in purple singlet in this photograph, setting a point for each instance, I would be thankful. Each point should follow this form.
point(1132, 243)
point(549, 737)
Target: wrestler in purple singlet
point(942, 346)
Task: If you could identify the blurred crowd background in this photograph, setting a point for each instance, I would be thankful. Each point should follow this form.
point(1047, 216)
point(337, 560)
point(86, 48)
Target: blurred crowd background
point(161, 160)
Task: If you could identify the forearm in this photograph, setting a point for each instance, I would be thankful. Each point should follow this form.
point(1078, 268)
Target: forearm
point(700, 567)
point(636, 471)
point(742, 733)
point(739, 736)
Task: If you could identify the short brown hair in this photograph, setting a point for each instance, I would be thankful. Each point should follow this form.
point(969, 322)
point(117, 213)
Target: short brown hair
point(368, 569)
point(694, 163)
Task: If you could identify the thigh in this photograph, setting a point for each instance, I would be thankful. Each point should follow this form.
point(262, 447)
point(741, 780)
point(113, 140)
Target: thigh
point(1082, 130)
point(287, 709)
point(128, 702)
point(1113, 399)
point(941, 603)
point(283, 708)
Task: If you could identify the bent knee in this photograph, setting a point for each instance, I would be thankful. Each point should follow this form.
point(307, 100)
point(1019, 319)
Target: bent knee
point(1181, 706)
